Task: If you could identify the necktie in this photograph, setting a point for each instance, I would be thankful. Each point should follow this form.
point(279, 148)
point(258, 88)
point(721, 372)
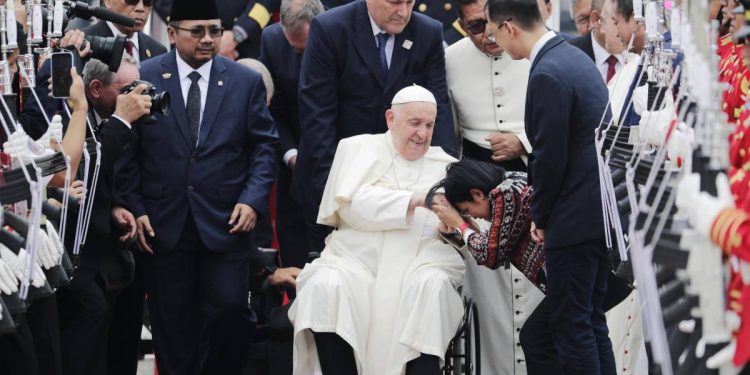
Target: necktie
point(193, 106)
point(611, 62)
point(382, 40)
point(130, 47)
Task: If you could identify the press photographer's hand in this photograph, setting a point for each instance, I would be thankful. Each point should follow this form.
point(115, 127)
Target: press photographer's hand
point(76, 38)
point(77, 100)
point(133, 105)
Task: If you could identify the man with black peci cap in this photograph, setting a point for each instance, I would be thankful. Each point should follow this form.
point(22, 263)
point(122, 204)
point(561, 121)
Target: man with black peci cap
point(201, 177)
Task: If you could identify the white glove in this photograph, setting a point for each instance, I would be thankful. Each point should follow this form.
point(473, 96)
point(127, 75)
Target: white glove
point(654, 126)
point(37, 275)
point(723, 357)
point(55, 239)
point(702, 208)
point(8, 281)
point(54, 253)
point(47, 256)
point(56, 129)
point(17, 145)
point(680, 144)
point(640, 99)
point(18, 264)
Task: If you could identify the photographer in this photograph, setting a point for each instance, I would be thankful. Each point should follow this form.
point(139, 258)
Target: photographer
point(106, 266)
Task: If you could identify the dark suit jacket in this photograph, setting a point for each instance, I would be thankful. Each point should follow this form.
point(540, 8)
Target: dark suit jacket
point(284, 64)
point(234, 161)
point(102, 254)
point(344, 91)
point(147, 46)
point(565, 100)
point(584, 43)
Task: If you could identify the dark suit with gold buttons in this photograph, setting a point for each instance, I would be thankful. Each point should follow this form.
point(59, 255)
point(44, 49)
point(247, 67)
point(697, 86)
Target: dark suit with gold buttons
point(445, 12)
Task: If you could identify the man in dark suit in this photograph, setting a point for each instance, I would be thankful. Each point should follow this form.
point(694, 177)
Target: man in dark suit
point(565, 101)
point(281, 52)
point(137, 44)
point(608, 57)
point(358, 56)
point(202, 176)
point(86, 305)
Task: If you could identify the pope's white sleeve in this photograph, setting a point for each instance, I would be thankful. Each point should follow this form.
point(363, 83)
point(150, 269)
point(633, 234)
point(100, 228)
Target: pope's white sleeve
point(375, 208)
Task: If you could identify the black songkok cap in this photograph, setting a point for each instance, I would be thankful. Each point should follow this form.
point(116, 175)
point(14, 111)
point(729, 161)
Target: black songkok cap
point(194, 10)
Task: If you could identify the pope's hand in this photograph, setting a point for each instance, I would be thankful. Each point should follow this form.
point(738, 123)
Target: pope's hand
point(243, 218)
point(284, 277)
point(446, 213)
point(144, 229)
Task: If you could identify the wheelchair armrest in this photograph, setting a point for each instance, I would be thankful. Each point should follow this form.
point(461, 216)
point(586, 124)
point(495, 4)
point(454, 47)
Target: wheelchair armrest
point(311, 256)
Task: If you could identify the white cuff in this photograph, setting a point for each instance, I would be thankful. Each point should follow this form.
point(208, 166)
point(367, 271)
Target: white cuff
point(123, 121)
point(289, 155)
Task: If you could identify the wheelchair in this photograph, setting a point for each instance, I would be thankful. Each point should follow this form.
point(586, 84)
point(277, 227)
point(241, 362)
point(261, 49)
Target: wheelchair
point(464, 355)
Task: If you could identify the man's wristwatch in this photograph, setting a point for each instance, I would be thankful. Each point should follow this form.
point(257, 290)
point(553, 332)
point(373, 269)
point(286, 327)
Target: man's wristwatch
point(239, 34)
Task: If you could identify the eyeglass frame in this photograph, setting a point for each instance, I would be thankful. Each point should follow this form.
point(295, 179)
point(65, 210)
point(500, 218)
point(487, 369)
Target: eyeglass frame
point(473, 25)
point(204, 30)
point(491, 35)
point(128, 2)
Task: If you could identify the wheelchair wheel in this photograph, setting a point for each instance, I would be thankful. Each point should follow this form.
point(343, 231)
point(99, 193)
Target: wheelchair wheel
point(463, 356)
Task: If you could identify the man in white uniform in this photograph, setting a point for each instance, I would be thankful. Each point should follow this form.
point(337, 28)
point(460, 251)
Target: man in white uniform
point(488, 92)
point(382, 299)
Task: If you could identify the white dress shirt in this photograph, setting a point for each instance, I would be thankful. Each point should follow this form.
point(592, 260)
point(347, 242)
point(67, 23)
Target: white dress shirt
point(99, 119)
point(488, 93)
point(540, 43)
point(133, 39)
point(388, 44)
point(600, 58)
point(183, 69)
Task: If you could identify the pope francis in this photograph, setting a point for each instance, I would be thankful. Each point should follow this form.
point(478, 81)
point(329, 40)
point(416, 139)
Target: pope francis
point(381, 299)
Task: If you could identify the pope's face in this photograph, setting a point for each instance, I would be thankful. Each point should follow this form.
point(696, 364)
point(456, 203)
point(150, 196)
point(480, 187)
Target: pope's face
point(391, 16)
point(411, 126)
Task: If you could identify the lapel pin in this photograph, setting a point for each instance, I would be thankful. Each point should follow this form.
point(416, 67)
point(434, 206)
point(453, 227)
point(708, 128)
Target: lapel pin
point(166, 75)
point(407, 44)
point(148, 52)
point(221, 83)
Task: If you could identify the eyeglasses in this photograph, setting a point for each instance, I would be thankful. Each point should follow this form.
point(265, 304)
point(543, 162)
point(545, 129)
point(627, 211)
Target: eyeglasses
point(491, 38)
point(146, 3)
point(476, 27)
point(198, 32)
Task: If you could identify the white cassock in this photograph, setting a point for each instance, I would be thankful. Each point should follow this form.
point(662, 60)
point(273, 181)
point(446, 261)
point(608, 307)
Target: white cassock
point(624, 320)
point(385, 282)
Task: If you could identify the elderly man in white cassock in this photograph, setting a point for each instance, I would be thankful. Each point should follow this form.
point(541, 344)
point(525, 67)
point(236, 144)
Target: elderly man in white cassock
point(381, 299)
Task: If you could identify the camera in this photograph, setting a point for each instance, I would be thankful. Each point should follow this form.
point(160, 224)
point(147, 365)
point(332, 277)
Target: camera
point(107, 49)
point(159, 102)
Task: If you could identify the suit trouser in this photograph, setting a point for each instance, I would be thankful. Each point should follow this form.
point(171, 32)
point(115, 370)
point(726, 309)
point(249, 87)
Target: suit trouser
point(577, 284)
point(17, 354)
point(290, 223)
point(125, 329)
point(537, 343)
point(85, 315)
point(198, 307)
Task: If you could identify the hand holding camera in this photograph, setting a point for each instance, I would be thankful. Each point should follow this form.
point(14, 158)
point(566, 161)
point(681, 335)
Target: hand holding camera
point(133, 105)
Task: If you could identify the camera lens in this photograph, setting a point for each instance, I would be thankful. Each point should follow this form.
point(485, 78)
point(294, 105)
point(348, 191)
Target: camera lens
point(108, 50)
point(160, 103)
